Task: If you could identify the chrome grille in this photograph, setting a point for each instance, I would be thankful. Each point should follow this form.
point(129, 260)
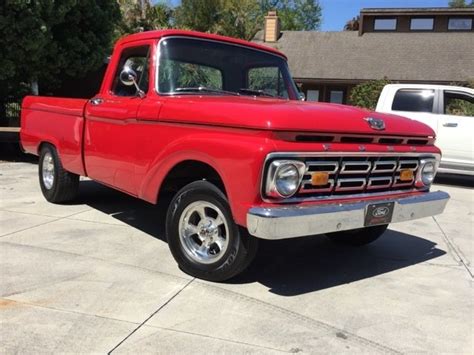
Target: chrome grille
point(357, 174)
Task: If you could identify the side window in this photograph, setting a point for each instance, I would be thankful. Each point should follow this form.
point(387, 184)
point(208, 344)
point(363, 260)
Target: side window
point(458, 104)
point(413, 100)
point(137, 59)
point(175, 74)
point(268, 80)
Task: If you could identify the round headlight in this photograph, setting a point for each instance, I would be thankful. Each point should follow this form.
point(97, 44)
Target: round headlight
point(428, 173)
point(287, 179)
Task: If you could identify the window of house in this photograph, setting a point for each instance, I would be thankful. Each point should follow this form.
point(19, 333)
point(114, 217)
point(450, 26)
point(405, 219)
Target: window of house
point(460, 24)
point(137, 59)
point(458, 104)
point(385, 24)
point(336, 96)
point(312, 95)
point(413, 100)
point(421, 24)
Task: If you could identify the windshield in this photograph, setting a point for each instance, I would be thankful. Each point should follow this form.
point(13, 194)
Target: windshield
point(195, 66)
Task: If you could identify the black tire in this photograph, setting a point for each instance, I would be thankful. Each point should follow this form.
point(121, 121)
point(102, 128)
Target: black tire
point(64, 185)
point(358, 237)
point(240, 246)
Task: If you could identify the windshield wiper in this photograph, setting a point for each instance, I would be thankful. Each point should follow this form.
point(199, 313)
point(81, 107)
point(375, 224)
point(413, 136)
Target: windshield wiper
point(205, 89)
point(255, 92)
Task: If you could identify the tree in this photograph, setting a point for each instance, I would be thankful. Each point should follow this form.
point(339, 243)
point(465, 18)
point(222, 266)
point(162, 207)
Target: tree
point(352, 25)
point(142, 15)
point(460, 3)
point(367, 94)
point(296, 15)
point(43, 40)
point(243, 18)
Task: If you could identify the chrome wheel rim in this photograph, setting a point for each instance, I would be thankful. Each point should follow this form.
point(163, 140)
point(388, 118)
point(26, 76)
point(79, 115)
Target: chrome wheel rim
point(48, 171)
point(203, 232)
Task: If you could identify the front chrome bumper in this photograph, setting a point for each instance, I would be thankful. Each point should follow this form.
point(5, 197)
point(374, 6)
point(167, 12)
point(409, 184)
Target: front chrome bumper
point(298, 221)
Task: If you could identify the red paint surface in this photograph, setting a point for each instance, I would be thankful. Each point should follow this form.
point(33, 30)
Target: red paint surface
point(131, 143)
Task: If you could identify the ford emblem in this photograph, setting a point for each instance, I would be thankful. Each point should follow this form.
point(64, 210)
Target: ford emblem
point(375, 123)
point(380, 212)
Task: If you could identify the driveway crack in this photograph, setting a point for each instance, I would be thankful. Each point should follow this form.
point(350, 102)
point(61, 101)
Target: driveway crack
point(453, 249)
point(151, 316)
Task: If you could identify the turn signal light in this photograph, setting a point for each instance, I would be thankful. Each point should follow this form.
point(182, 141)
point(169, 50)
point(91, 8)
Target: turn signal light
point(320, 179)
point(406, 175)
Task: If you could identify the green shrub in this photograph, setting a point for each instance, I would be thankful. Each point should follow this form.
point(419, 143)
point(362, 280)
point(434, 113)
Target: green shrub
point(367, 94)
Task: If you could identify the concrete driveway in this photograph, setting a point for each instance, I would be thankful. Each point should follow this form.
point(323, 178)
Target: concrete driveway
point(96, 276)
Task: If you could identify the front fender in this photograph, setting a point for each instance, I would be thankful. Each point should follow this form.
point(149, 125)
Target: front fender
point(237, 157)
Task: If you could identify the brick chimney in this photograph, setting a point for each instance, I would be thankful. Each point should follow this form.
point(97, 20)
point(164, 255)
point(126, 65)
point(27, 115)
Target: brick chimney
point(272, 27)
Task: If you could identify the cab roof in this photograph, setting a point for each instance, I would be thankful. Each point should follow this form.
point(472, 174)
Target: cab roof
point(166, 33)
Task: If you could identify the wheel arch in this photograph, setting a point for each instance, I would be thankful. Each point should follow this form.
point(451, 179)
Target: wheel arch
point(187, 171)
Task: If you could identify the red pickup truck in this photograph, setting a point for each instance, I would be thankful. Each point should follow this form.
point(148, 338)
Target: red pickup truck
point(219, 121)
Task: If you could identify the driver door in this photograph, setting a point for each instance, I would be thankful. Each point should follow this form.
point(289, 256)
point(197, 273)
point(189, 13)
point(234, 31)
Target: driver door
point(110, 142)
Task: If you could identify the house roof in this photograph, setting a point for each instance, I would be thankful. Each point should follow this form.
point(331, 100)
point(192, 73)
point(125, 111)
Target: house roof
point(419, 10)
point(434, 56)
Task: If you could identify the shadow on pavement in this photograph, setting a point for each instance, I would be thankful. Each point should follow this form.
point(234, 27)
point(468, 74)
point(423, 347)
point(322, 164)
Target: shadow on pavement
point(11, 152)
point(302, 265)
point(287, 267)
point(455, 180)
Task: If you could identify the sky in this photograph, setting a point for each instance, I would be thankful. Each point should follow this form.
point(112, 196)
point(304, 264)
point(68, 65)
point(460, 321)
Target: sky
point(337, 12)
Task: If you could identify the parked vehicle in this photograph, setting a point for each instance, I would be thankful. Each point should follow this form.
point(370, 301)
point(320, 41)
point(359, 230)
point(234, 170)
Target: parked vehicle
point(217, 121)
point(449, 110)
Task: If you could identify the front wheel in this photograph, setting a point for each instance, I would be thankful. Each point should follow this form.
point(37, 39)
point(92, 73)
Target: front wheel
point(358, 237)
point(202, 236)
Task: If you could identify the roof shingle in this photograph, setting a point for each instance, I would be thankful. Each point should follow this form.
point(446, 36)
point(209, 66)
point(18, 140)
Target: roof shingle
point(398, 56)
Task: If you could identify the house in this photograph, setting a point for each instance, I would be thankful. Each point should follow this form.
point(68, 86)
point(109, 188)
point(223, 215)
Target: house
point(416, 45)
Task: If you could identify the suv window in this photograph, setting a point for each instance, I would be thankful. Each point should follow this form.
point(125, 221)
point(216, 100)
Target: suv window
point(413, 100)
point(458, 104)
point(136, 58)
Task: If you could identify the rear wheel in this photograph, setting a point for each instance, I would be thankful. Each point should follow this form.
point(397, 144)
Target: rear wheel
point(202, 236)
point(57, 184)
point(358, 237)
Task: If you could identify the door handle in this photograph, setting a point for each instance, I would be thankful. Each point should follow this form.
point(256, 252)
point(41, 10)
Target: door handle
point(450, 124)
point(96, 101)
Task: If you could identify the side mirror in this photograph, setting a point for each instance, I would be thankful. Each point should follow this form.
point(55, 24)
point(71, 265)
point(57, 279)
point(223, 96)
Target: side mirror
point(129, 77)
point(301, 96)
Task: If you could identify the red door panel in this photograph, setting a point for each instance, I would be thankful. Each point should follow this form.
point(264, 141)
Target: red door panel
point(110, 143)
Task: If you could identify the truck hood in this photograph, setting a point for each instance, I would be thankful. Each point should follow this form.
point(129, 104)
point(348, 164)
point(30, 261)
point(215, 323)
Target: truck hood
point(284, 115)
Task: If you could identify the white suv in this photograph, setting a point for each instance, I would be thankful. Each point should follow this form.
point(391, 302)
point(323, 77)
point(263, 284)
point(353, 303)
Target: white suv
point(449, 110)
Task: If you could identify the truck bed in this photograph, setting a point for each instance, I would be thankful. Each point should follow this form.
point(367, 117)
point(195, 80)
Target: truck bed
point(59, 121)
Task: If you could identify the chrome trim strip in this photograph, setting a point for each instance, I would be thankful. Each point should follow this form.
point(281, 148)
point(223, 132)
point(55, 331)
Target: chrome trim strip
point(408, 162)
point(345, 164)
point(384, 162)
point(340, 182)
point(384, 178)
point(322, 163)
point(298, 221)
point(315, 189)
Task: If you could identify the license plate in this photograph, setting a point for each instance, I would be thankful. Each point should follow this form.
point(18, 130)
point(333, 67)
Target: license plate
point(378, 213)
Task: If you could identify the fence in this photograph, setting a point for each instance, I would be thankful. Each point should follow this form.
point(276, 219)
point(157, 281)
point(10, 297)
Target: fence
point(10, 113)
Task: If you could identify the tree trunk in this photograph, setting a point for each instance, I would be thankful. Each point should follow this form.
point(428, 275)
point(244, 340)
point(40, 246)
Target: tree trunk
point(34, 87)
